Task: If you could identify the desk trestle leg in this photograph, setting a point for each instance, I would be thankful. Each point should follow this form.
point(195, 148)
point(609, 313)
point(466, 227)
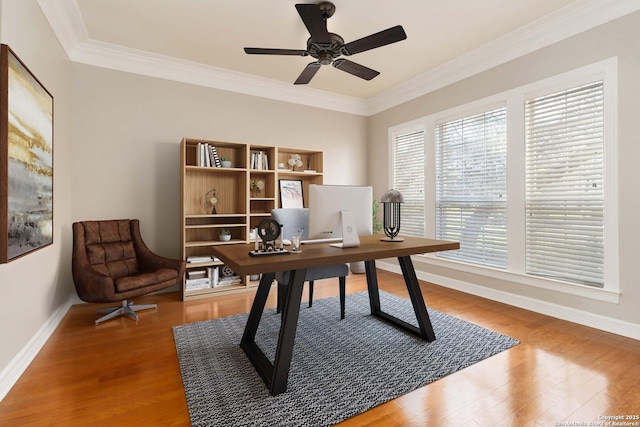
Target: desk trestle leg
point(425, 329)
point(276, 374)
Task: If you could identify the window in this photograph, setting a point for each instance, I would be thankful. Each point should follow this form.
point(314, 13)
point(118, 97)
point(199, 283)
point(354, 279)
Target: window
point(526, 181)
point(471, 187)
point(408, 179)
point(564, 185)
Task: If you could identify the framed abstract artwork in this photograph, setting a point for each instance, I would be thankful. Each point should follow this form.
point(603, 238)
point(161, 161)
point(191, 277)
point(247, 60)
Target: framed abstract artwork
point(26, 160)
point(291, 193)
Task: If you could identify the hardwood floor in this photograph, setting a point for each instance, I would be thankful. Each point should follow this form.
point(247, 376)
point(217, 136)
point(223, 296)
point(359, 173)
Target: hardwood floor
point(126, 373)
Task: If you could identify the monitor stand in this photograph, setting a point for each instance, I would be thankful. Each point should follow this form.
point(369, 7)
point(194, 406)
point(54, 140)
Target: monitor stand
point(350, 237)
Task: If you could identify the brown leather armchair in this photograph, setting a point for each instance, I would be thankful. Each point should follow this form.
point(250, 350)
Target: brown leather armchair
point(111, 263)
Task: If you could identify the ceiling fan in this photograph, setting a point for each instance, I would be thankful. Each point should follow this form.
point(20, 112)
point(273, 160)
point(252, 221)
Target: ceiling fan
point(327, 47)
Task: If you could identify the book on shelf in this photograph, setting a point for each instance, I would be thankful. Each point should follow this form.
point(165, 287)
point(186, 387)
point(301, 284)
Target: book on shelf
point(207, 158)
point(194, 284)
point(197, 258)
point(214, 274)
point(203, 154)
point(196, 274)
point(213, 156)
point(229, 280)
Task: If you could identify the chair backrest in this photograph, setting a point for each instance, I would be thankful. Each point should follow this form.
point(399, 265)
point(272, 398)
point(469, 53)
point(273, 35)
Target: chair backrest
point(110, 248)
point(294, 221)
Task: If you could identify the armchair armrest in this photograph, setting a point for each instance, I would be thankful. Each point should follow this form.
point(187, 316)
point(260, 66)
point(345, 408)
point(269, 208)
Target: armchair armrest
point(149, 261)
point(91, 285)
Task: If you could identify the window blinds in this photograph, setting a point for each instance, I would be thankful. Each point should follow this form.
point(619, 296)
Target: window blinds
point(564, 185)
point(408, 179)
point(471, 187)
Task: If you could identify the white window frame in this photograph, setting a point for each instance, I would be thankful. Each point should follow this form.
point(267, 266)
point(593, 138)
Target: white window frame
point(514, 100)
point(393, 133)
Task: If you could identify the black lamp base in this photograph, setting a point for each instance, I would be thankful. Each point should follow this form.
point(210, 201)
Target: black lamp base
point(391, 239)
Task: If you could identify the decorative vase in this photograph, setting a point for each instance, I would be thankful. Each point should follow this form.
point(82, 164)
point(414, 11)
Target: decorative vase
point(224, 237)
point(226, 163)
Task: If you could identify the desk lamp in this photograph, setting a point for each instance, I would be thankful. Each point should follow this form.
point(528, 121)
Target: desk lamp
point(391, 201)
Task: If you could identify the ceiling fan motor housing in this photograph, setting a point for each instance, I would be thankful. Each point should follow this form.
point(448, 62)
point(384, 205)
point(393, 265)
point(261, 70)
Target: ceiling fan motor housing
point(325, 53)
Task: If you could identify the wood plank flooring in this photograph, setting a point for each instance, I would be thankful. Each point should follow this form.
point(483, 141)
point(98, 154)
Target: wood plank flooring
point(126, 373)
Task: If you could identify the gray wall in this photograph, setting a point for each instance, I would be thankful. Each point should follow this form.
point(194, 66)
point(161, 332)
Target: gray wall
point(33, 287)
point(126, 143)
point(619, 38)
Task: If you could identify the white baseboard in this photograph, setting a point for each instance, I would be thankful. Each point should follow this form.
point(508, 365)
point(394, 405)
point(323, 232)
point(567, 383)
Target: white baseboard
point(12, 372)
point(597, 321)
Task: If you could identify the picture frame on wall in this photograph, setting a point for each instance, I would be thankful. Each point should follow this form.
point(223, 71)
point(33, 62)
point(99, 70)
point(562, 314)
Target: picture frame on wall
point(26, 160)
point(291, 193)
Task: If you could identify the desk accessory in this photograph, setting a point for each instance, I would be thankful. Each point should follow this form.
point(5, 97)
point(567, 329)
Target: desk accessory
point(391, 201)
point(268, 231)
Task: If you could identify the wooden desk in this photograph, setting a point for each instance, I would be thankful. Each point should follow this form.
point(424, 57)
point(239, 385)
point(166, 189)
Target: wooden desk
point(276, 374)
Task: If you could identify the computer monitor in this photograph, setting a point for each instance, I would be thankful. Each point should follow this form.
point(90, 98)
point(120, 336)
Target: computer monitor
point(326, 203)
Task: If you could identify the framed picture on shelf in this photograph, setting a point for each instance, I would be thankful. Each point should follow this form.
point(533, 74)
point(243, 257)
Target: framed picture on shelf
point(291, 193)
point(26, 160)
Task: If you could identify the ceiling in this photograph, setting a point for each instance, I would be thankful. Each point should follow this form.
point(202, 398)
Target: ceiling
point(203, 41)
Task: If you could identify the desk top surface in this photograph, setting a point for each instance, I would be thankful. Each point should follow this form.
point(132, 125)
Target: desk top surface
point(314, 255)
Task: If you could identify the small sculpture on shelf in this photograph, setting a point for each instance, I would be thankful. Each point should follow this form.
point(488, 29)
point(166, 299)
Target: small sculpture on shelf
point(257, 185)
point(295, 161)
point(212, 200)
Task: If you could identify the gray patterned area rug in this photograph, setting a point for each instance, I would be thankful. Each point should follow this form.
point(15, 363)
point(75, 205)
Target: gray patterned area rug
point(340, 368)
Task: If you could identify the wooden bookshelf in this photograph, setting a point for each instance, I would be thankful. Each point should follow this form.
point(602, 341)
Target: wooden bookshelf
point(246, 193)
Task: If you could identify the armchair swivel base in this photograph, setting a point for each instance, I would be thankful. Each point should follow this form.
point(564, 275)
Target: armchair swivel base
point(126, 309)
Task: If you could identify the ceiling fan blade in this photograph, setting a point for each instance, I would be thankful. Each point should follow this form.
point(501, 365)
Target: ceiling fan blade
point(308, 73)
point(312, 17)
point(385, 37)
point(267, 51)
point(355, 69)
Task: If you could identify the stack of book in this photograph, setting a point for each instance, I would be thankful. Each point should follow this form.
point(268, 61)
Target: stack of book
point(197, 279)
point(229, 280)
point(259, 160)
point(207, 156)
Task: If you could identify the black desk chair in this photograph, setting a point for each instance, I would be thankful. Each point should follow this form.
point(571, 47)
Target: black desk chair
point(295, 220)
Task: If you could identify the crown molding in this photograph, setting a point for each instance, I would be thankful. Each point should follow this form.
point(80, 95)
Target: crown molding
point(573, 19)
point(66, 21)
point(120, 58)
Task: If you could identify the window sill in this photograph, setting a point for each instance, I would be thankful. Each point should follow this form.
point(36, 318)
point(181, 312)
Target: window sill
point(599, 294)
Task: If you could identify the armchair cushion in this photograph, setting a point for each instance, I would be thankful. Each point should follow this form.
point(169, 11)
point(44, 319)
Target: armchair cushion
point(129, 283)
